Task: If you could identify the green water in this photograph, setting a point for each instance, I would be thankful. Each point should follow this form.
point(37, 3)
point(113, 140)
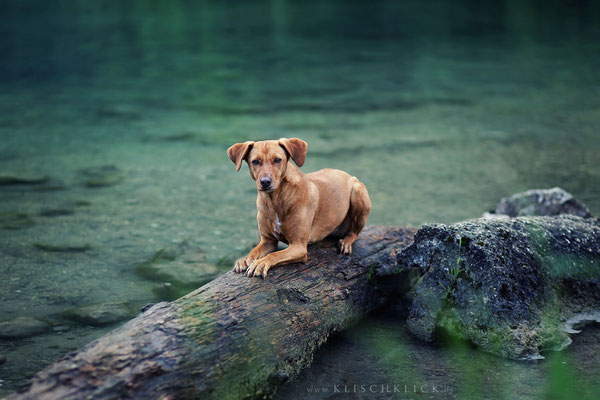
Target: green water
point(440, 107)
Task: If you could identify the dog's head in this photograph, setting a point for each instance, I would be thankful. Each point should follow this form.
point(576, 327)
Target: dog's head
point(267, 160)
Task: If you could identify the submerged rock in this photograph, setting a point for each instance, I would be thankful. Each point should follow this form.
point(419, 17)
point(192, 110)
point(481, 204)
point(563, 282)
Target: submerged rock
point(56, 212)
point(100, 314)
point(179, 137)
point(31, 182)
point(51, 185)
point(508, 285)
point(8, 179)
point(15, 220)
point(106, 175)
point(169, 292)
point(179, 271)
point(22, 327)
point(63, 247)
point(541, 202)
point(119, 111)
point(105, 180)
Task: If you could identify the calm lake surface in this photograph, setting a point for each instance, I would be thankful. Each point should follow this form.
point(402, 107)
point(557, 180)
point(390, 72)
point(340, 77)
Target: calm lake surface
point(116, 117)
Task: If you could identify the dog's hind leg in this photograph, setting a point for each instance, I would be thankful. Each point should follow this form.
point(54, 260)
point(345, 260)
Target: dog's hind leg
point(360, 206)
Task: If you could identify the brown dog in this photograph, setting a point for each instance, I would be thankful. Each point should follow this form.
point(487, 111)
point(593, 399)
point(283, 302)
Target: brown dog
point(296, 208)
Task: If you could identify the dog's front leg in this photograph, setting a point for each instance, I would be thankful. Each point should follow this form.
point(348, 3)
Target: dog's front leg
point(296, 252)
point(265, 247)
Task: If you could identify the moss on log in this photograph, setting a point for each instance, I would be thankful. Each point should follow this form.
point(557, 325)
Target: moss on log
point(235, 337)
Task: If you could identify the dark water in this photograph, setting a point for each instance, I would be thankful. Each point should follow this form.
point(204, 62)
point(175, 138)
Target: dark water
point(440, 107)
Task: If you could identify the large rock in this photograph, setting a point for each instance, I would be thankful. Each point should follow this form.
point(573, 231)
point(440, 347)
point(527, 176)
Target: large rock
point(541, 202)
point(512, 286)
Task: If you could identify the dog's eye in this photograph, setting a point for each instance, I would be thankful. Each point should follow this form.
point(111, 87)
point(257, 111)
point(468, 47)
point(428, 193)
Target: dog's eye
point(255, 162)
point(277, 160)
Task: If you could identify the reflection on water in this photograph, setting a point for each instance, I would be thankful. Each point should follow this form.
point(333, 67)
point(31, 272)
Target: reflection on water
point(119, 114)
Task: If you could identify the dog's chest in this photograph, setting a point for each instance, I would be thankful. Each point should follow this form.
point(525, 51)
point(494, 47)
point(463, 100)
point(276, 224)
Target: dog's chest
point(277, 230)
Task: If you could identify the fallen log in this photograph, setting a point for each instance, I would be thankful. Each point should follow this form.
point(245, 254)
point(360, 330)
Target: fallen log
point(235, 337)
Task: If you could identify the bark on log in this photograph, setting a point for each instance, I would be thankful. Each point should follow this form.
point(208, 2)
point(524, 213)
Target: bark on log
point(235, 337)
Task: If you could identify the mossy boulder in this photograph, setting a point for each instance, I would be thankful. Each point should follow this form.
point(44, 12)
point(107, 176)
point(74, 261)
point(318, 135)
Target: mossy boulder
point(508, 285)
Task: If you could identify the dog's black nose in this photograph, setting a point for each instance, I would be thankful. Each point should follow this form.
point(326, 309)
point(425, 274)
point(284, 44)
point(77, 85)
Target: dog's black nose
point(265, 182)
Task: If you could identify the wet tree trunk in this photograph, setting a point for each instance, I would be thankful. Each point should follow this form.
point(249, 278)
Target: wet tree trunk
point(235, 337)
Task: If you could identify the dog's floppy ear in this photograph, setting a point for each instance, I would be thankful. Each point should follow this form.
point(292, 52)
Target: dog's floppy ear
point(238, 152)
point(296, 148)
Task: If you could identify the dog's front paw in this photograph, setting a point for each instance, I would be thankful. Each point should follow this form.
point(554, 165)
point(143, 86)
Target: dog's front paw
point(259, 268)
point(345, 246)
point(242, 264)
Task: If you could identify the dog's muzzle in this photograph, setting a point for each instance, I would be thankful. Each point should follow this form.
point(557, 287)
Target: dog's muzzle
point(265, 183)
